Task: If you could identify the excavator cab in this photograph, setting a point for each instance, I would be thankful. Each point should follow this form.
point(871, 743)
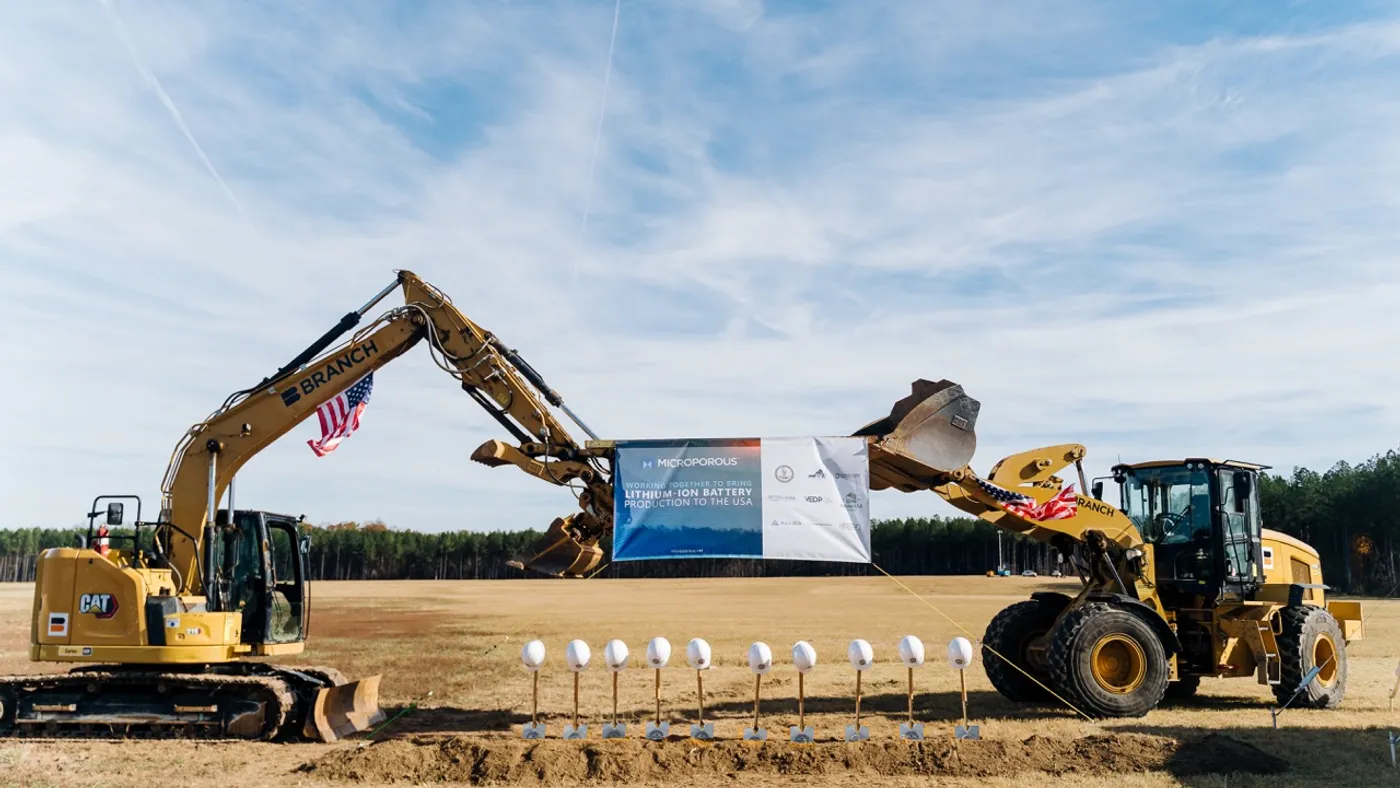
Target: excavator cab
point(263, 573)
point(1202, 517)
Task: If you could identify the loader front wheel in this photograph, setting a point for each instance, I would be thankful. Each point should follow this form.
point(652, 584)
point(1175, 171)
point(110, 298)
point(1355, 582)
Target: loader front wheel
point(1311, 638)
point(1109, 662)
point(1019, 634)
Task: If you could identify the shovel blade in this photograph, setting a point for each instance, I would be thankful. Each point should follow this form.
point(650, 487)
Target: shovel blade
point(345, 709)
point(929, 433)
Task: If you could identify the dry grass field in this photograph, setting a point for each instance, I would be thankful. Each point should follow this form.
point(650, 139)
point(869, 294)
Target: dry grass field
point(460, 641)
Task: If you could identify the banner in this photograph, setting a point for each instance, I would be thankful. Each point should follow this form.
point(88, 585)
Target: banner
point(804, 499)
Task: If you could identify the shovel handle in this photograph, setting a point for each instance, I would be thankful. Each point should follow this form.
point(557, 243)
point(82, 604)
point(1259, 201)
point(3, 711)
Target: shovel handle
point(962, 680)
point(757, 686)
point(911, 696)
point(801, 708)
point(857, 700)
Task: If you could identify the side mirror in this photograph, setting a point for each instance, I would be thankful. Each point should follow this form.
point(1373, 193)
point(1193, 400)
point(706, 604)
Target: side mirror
point(305, 545)
point(1098, 490)
point(114, 514)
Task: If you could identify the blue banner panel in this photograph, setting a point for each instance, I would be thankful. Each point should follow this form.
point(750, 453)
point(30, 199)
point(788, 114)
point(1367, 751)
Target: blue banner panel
point(696, 498)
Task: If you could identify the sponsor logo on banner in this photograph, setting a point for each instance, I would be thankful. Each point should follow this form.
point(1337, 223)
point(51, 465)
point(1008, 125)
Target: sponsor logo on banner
point(783, 473)
point(852, 501)
point(814, 499)
point(782, 497)
point(692, 462)
point(817, 474)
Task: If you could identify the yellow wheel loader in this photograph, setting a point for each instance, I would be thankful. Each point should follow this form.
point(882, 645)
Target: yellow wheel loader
point(1180, 580)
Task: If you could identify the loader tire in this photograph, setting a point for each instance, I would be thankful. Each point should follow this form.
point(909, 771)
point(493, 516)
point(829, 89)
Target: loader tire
point(1311, 637)
point(1010, 634)
point(1108, 662)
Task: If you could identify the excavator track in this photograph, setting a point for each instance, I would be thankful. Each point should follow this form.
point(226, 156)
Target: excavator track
point(243, 702)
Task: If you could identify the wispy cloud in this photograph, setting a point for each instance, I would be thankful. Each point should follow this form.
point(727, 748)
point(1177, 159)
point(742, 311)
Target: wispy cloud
point(174, 111)
point(1150, 232)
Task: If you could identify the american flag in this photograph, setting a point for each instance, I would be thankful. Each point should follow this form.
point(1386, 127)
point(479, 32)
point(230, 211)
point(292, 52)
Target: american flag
point(1062, 506)
point(341, 415)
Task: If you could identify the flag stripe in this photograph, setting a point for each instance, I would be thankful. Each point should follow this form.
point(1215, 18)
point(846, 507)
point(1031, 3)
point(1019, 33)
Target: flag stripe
point(341, 415)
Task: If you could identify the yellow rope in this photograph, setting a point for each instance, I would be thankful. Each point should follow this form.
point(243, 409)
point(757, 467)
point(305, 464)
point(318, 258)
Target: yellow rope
point(984, 645)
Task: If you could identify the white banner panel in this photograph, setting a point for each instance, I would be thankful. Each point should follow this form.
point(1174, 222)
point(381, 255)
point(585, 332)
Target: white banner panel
point(816, 499)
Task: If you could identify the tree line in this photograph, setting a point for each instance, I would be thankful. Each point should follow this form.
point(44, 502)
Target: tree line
point(1350, 513)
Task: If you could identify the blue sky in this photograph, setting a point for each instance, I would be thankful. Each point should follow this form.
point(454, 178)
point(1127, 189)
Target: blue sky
point(1155, 229)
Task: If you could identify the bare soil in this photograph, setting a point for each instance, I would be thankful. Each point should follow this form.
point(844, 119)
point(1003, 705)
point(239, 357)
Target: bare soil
point(457, 695)
point(478, 761)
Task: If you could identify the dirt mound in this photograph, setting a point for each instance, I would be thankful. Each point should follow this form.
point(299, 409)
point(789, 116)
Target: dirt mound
point(480, 760)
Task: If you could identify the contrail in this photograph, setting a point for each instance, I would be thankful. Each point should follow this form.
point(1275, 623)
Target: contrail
point(169, 105)
point(598, 133)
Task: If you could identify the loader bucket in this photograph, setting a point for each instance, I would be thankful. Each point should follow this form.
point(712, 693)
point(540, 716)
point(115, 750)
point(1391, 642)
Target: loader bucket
point(562, 552)
point(344, 709)
point(930, 432)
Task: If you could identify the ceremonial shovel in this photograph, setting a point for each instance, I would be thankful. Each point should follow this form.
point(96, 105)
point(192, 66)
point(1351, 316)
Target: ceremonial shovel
point(615, 655)
point(960, 656)
point(862, 657)
point(911, 653)
point(698, 654)
point(658, 653)
point(804, 657)
point(760, 662)
point(578, 655)
point(533, 656)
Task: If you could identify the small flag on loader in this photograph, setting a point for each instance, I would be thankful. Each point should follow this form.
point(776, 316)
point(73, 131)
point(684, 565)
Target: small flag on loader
point(341, 415)
point(1062, 506)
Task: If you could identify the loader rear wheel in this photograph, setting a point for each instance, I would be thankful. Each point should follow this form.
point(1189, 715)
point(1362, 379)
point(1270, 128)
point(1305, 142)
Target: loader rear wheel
point(1108, 662)
point(1011, 635)
point(1311, 637)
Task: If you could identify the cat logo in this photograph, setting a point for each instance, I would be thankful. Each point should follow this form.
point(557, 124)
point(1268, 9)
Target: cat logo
point(100, 605)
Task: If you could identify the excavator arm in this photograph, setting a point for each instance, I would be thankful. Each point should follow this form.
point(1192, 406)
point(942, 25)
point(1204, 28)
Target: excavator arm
point(211, 452)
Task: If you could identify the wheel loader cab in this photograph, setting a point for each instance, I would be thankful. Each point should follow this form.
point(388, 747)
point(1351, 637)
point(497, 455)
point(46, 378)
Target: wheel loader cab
point(263, 570)
point(1202, 518)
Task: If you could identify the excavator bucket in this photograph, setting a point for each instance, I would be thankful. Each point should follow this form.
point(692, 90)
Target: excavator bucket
point(928, 434)
point(562, 552)
point(344, 709)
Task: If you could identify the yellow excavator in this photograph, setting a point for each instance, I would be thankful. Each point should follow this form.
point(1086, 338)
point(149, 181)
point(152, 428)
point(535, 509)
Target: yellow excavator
point(173, 619)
